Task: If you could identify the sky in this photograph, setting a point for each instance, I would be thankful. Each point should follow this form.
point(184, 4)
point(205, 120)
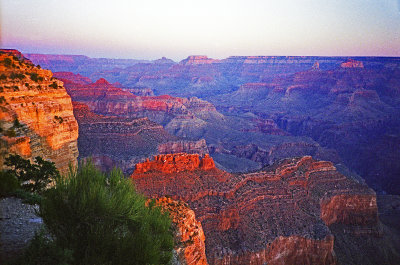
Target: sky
point(150, 29)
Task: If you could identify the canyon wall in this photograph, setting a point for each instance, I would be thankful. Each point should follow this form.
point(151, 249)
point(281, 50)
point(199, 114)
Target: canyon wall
point(36, 113)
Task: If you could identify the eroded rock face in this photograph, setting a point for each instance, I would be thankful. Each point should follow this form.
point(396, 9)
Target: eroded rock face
point(173, 163)
point(188, 233)
point(184, 146)
point(106, 99)
point(36, 113)
point(117, 141)
point(279, 215)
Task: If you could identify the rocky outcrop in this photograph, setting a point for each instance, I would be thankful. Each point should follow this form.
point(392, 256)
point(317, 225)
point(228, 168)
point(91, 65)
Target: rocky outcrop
point(350, 63)
point(265, 216)
point(163, 60)
point(189, 237)
point(197, 59)
point(36, 113)
point(184, 146)
point(173, 163)
point(349, 209)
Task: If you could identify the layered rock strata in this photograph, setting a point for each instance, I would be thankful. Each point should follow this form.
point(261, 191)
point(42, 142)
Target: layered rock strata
point(184, 146)
point(116, 141)
point(36, 113)
point(279, 215)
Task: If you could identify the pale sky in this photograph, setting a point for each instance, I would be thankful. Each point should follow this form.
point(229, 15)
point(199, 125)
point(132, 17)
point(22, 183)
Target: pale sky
point(149, 29)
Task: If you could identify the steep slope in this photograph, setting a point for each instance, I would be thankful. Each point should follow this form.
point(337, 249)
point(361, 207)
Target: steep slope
point(36, 113)
point(188, 233)
point(279, 215)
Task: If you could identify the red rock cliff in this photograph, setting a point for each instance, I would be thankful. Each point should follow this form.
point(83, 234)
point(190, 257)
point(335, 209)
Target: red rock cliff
point(36, 113)
point(172, 163)
point(188, 233)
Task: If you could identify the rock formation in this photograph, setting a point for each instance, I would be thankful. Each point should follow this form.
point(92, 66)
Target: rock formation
point(197, 59)
point(36, 113)
point(189, 237)
point(184, 146)
point(279, 215)
point(350, 63)
point(173, 163)
point(117, 141)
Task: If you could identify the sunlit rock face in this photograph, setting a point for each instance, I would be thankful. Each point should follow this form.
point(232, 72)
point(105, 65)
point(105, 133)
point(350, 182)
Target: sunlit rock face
point(279, 215)
point(350, 63)
point(189, 237)
point(36, 113)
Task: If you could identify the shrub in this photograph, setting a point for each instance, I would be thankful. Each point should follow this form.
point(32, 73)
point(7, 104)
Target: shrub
point(17, 124)
point(10, 132)
point(7, 62)
point(35, 77)
point(17, 76)
point(103, 220)
point(27, 197)
point(54, 85)
point(34, 177)
point(59, 119)
point(9, 183)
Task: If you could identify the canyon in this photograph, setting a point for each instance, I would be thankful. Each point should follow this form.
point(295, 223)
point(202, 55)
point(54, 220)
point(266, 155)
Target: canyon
point(346, 107)
point(235, 149)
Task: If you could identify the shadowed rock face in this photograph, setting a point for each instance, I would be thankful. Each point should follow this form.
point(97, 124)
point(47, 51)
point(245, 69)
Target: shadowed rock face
point(117, 141)
point(184, 146)
point(36, 113)
point(279, 215)
point(189, 237)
